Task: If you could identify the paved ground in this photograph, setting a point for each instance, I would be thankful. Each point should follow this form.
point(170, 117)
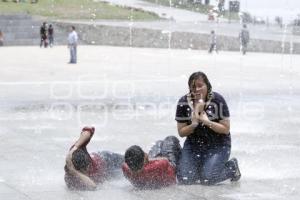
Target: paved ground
point(228, 29)
point(129, 94)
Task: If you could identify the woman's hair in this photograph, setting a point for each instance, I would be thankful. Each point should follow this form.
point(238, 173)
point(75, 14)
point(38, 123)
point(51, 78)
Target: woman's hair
point(197, 75)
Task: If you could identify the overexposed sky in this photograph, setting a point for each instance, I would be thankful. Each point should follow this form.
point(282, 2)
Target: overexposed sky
point(288, 9)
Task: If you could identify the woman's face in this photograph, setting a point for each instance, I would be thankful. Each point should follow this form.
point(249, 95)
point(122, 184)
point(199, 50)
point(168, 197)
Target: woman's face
point(199, 89)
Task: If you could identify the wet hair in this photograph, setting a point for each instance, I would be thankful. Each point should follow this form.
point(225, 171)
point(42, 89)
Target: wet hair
point(81, 159)
point(134, 158)
point(196, 75)
point(73, 27)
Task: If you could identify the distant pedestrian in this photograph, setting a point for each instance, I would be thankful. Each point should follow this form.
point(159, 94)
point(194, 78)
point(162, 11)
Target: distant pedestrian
point(221, 6)
point(72, 44)
point(51, 35)
point(244, 37)
point(213, 42)
point(43, 35)
point(1, 38)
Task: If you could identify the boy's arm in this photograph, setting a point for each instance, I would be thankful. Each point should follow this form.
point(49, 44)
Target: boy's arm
point(85, 137)
point(84, 179)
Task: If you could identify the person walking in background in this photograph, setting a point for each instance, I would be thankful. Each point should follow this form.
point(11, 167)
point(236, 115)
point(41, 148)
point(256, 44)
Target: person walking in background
point(43, 35)
point(72, 45)
point(51, 35)
point(213, 42)
point(1, 38)
point(244, 39)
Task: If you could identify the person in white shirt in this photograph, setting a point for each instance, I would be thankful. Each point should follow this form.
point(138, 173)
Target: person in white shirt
point(72, 44)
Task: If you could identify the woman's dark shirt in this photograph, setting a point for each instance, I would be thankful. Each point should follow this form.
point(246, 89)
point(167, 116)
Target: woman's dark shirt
point(203, 136)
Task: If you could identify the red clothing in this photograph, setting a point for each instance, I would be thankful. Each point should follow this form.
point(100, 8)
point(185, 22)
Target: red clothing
point(97, 172)
point(98, 169)
point(155, 174)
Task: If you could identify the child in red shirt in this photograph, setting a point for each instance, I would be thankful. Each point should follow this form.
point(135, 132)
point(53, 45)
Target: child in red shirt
point(83, 171)
point(156, 169)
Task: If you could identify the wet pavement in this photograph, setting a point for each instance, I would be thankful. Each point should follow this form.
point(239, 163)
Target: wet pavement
point(130, 95)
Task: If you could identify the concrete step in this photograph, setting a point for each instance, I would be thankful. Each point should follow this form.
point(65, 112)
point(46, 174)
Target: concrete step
point(21, 42)
point(30, 34)
point(13, 27)
point(28, 23)
point(13, 38)
point(30, 42)
point(10, 37)
point(24, 30)
point(16, 17)
point(21, 36)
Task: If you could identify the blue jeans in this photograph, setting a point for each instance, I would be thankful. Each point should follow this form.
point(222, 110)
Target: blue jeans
point(207, 166)
point(113, 161)
point(73, 53)
point(169, 148)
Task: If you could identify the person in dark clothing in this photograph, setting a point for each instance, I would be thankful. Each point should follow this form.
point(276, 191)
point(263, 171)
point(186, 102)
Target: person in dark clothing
point(43, 35)
point(244, 39)
point(153, 170)
point(51, 35)
point(203, 118)
point(213, 42)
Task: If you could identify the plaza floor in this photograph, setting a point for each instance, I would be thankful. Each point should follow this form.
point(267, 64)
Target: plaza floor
point(130, 96)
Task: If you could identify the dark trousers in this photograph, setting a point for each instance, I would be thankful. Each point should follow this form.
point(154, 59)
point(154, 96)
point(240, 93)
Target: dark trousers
point(212, 47)
point(169, 148)
point(51, 40)
point(244, 47)
point(44, 41)
point(206, 167)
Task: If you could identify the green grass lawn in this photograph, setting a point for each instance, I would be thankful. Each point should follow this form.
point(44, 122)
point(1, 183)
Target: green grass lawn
point(75, 9)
